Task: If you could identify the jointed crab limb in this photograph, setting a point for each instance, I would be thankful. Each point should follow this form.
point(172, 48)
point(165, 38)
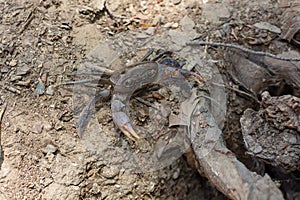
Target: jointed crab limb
point(123, 123)
point(189, 74)
point(85, 116)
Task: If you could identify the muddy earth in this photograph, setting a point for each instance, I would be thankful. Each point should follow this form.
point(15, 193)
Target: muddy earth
point(46, 45)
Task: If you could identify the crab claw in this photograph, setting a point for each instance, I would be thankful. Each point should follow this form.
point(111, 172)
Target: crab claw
point(123, 123)
point(189, 74)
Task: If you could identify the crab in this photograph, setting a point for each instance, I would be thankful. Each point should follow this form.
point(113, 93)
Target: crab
point(160, 69)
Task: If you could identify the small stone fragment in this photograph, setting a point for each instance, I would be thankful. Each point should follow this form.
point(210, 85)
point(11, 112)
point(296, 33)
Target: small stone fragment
point(187, 24)
point(4, 69)
point(49, 149)
point(40, 88)
point(109, 172)
point(267, 26)
point(175, 25)
point(167, 25)
point(150, 31)
point(13, 63)
point(47, 126)
point(176, 174)
point(14, 78)
point(44, 77)
point(59, 126)
point(24, 83)
point(22, 70)
point(37, 127)
point(176, 2)
point(50, 90)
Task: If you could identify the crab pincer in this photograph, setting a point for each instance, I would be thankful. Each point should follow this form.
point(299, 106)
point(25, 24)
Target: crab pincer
point(138, 76)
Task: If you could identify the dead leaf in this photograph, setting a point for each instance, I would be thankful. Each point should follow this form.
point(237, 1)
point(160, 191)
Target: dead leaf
point(186, 109)
point(290, 20)
point(287, 70)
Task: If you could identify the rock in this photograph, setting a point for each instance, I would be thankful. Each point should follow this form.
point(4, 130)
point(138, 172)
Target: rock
point(109, 172)
point(13, 63)
point(22, 70)
point(37, 127)
point(176, 174)
point(60, 191)
point(59, 125)
point(192, 4)
point(50, 90)
point(14, 78)
point(47, 126)
point(150, 31)
point(267, 26)
point(40, 88)
point(272, 133)
point(175, 25)
point(167, 25)
point(49, 149)
point(5, 170)
point(212, 12)
point(187, 23)
point(176, 2)
point(178, 37)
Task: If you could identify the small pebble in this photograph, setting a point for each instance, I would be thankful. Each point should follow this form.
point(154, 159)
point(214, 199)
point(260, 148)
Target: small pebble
point(49, 149)
point(37, 127)
point(176, 2)
point(40, 88)
point(13, 63)
point(257, 149)
point(59, 126)
point(14, 78)
point(167, 25)
point(48, 126)
point(176, 174)
point(175, 25)
point(150, 31)
point(50, 90)
point(109, 172)
point(22, 70)
point(24, 83)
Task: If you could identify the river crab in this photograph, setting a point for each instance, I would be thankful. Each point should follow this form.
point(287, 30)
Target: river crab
point(160, 69)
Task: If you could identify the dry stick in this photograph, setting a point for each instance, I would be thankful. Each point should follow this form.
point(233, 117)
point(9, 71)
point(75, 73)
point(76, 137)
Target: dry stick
point(110, 13)
point(146, 103)
point(29, 17)
point(2, 112)
point(1, 116)
point(261, 53)
point(237, 90)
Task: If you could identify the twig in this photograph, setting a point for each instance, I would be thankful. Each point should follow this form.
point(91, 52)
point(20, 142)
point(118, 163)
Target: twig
point(110, 13)
point(12, 89)
point(146, 103)
point(78, 82)
point(261, 53)
point(29, 17)
point(237, 90)
point(1, 117)
point(2, 112)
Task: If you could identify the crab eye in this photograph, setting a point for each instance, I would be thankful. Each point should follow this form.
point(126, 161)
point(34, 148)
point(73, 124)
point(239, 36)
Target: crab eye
point(151, 73)
point(128, 83)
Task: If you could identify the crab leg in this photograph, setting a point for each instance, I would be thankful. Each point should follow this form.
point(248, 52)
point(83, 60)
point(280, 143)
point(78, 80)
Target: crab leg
point(134, 79)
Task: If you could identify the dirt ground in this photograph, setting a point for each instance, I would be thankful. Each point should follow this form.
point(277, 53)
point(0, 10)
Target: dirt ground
point(43, 43)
